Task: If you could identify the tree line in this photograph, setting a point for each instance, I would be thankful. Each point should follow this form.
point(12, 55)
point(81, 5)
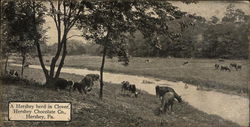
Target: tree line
point(214, 38)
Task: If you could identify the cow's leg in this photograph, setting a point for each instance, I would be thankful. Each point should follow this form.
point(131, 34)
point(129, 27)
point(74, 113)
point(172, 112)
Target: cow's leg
point(172, 104)
point(84, 90)
point(79, 90)
point(162, 108)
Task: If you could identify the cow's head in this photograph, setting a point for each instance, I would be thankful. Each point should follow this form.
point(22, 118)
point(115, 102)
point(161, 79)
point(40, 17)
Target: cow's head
point(96, 77)
point(179, 98)
point(89, 85)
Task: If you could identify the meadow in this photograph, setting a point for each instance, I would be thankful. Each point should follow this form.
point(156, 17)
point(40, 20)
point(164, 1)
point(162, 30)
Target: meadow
point(197, 71)
point(115, 109)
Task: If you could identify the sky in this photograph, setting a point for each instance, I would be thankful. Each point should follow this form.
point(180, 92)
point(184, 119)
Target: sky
point(206, 9)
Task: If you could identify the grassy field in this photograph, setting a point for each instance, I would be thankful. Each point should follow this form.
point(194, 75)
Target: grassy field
point(114, 110)
point(197, 71)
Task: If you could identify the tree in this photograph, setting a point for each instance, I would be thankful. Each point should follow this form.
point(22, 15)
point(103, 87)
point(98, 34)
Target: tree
point(64, 13)
point(107, 26)
point(227, 39)
point(18, 34)
point(110, 23)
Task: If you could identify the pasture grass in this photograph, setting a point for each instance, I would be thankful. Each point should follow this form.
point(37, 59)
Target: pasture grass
point(197, 71)
point(115, 109)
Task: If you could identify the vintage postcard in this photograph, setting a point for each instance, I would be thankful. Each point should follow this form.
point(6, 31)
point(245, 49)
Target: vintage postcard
point(124, 63)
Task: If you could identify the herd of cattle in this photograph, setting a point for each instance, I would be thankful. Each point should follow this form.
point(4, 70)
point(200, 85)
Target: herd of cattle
point(228, 68)
point(85, 85)
point(166, 94)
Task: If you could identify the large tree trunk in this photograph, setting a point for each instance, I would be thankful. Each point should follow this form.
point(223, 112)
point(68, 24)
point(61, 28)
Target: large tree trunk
point(101, 71)
point(60, 42)
point(45, 71)
point(64, 41)
point(6, 64)
point(38, 48)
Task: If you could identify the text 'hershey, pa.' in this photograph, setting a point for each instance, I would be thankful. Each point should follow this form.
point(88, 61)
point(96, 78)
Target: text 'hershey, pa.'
point(39, 111)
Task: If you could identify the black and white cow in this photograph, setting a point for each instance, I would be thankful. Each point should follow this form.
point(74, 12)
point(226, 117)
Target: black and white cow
point(126, 86)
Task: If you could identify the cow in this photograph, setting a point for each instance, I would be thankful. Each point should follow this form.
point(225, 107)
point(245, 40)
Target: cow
point(167, 101)
point(225, 68)
point(63, 84)
point(147, 61)
point(84, 85)
point(126, 86)
point(161, 90)
point(217, 66)
point(186, 62)
point(132, 89)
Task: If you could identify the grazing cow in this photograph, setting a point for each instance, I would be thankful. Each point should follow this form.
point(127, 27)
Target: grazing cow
point(63, 84)
point(84, 85)
point(161, 90)
point(126, 86)
point(186, 62)
point(167, 101)
point(225, 68)
point(47, 61)
point(217, 66)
